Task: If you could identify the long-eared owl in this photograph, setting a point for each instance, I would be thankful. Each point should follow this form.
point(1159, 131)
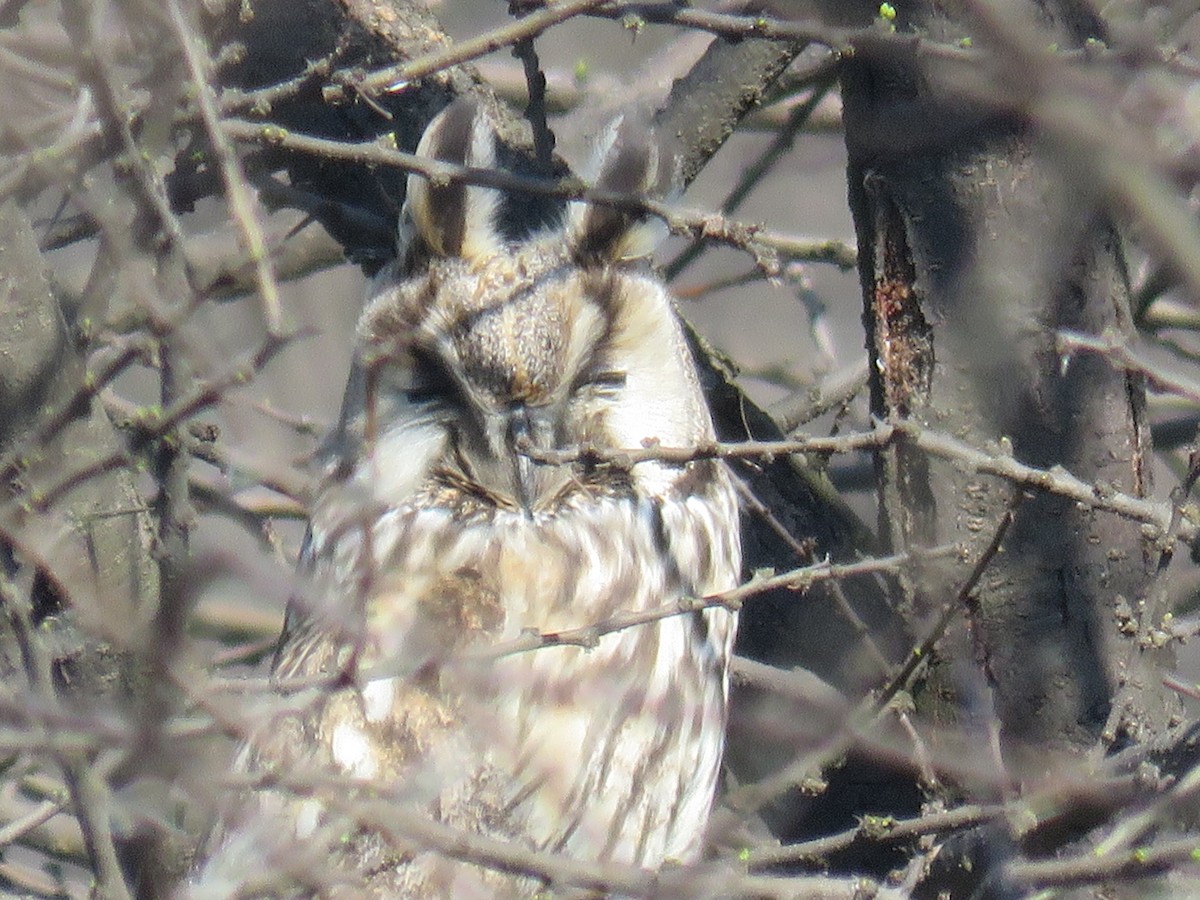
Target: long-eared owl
point(439, 538)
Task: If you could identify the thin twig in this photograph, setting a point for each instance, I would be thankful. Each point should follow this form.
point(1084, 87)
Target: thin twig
point(52, 422)
point(757, 169)
point(876, 830)
point(753, 796)
point(203, 395)
point(400, 76)
point(39, 815)
point(953, 608)
point(243, 208)
point(1085, 869)
point(1056, 480)
point(89, 795)
point(763, 245)
point(588, 636)
point(535, 103)
point(147, 186)
point(805, 554)
point(836, 390)
point(1119, 354)
point(30, 882)
point(797, 580)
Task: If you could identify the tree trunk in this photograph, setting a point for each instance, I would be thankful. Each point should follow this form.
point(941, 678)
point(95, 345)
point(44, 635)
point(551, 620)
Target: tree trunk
point(979, 243)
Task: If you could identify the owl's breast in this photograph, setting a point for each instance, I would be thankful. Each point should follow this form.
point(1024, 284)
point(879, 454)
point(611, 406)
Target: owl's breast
point(497, 576)
point(559, 743)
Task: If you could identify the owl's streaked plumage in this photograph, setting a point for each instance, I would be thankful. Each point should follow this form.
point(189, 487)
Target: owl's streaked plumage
point(435, 538)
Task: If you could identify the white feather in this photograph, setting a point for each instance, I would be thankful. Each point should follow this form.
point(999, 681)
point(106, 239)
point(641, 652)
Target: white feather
point(352, 751)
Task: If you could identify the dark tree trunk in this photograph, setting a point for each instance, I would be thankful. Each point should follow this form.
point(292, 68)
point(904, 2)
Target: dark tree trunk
point(979, 243)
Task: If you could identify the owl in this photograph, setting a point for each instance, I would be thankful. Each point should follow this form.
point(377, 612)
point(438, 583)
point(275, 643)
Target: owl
point(439, 538)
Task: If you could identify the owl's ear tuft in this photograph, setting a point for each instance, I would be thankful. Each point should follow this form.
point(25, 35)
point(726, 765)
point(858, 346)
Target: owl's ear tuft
point(629, 159)
point(454, 218)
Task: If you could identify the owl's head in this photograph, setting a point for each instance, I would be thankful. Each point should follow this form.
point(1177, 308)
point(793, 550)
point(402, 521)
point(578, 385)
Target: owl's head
point(482, 342)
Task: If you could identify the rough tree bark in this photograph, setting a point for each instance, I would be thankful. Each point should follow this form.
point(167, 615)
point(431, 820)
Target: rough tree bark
point(979, 241)
point(93, 545)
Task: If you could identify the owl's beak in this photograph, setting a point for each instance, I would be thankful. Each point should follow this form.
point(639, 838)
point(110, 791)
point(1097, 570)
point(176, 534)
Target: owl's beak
point(510, 431)
point(520, 430)
point(523, 431)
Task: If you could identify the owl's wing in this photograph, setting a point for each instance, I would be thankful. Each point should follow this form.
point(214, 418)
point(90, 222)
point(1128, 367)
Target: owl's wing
point(302, 632)
point(342, 460)
point(335, 455)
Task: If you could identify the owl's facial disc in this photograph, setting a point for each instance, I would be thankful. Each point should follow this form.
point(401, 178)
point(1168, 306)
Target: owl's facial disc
point(518, 358)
